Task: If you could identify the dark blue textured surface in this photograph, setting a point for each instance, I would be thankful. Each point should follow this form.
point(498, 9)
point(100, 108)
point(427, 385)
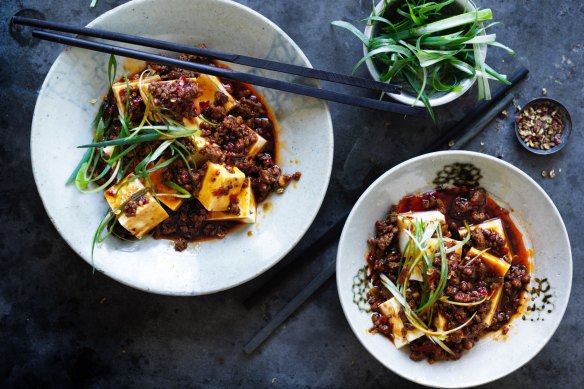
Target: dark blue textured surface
point(62, 325)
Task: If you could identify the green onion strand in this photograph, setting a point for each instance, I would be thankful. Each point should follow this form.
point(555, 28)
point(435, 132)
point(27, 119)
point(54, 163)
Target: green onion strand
point(431, 51)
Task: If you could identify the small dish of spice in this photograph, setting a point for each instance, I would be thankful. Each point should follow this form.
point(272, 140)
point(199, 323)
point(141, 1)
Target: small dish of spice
point(543, 126)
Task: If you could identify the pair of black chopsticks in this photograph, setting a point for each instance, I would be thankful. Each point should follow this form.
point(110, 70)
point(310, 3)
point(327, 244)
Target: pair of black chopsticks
point(460, 134)
point(221, 72)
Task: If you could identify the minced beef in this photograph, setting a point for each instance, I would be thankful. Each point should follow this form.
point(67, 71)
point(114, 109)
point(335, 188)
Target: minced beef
point(132, 205)
point(229, 137)
point(232, 136)
point(133, 102)
point(470, 208)
point(215, 110)
point(469, 280)
point(175, 99)
point(267, 179)
point(172, 73)
point(484, 239)
point(250, 108)
point(190, 222)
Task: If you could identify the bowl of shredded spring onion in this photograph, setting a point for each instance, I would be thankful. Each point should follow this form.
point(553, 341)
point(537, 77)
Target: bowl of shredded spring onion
point(435, 49)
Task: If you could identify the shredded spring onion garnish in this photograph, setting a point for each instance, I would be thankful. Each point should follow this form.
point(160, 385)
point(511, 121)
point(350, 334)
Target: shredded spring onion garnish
point(183, 193)
point(475, 257)
point(106, 225)
point(428, 49)
point(424, 245)
point(107, 159)
point(444, 299)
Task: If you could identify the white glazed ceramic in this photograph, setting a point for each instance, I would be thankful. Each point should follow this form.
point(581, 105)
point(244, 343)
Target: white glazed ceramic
point(533, 212)
point(62, 122)
point(404, 97)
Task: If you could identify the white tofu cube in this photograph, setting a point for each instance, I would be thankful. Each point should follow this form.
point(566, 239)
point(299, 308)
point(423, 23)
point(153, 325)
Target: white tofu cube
point(200, 144)
point(391, 309)
point(498, 266)
point(495, 225)
point(257, 146)
point(119, 90)
point(247, 207)
point(149, 100)
point(495, 298)
point(218, 185)
point(209, 85)
point(405, 221)
point(148, 213)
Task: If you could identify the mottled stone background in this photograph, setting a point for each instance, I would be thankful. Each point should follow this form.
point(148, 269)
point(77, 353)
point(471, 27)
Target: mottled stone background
point(61, 325)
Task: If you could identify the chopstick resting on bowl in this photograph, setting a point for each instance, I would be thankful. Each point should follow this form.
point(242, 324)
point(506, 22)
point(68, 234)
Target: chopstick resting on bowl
point(213, 54)
point(234, 75)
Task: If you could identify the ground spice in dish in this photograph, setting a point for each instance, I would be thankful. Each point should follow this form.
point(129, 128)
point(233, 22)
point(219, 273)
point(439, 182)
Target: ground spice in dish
point(540, 126)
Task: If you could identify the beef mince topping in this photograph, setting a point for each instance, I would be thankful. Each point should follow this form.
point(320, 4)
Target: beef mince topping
point(132, 205)
point(470, 280)
point(229, 135)
point(232, 136)
point(484, 239)
point(189, 223)
point(215, 110)
point(171, 73)
point(133, 101)
point(174, 99)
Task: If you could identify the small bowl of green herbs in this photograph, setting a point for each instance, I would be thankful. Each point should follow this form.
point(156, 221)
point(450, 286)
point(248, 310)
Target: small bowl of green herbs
point(435, 50)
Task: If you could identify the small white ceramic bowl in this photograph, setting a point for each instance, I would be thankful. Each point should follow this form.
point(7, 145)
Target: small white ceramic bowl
point(404, 97)
point(62, 121)
point(543, 231)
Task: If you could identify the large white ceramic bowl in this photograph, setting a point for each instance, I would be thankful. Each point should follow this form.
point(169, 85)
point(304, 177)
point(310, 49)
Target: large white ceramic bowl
point(543, 230)
point(62, 122)
point(404, 97)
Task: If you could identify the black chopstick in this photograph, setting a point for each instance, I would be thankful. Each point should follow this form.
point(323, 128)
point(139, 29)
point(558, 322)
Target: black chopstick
point(330, 268)
point(481, 107)
point(334, 232)
point(329, 236)
point(290, 308)
point(214, 54)
point(234, 75)
point(480, 123)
